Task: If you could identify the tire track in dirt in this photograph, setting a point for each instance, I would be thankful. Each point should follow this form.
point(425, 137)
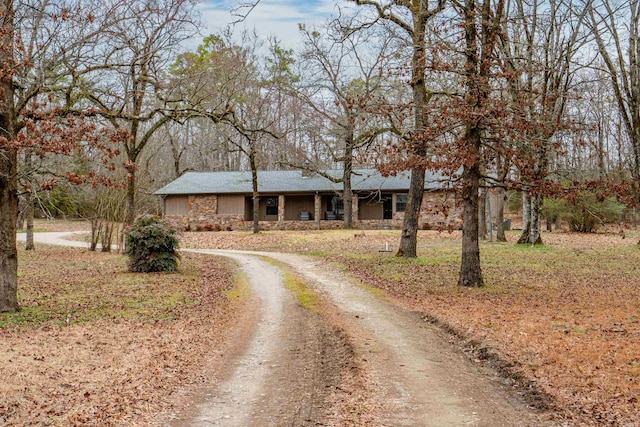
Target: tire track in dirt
point(292, 363)
point(423, 379)
point(235, 398)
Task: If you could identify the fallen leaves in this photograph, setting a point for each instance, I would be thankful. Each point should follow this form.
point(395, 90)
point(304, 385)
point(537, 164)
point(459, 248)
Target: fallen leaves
point(131, 343)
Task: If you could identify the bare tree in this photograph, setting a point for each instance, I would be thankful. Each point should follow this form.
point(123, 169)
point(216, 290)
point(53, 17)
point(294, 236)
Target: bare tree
point(411, 18)
point(227, 85)
point(539, 45)
point(32, 54)
point(127, 81)
point(481, 25)
point(616, 27)
point(343, 84)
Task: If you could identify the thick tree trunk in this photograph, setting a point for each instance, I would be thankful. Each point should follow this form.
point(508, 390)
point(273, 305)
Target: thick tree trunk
point(29, 245)
point(532, 215)
point(130, 212)
point(256, 194)
point(8, 167)
point(500, 196)
point(347, 194)
point(535, 234)
point(470, 270)
point(8, 216)
point(409, 236)
point(526, 217)
point(526, 209)
point(482, 214)
point(477, 67)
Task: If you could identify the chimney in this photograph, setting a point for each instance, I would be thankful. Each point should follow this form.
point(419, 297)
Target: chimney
point(306, 169)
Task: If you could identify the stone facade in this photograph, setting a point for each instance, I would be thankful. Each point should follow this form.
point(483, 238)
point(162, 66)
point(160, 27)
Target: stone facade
point(204, 206)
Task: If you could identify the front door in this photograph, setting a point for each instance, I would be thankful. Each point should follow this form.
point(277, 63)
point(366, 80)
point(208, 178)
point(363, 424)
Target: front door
point(387, 206)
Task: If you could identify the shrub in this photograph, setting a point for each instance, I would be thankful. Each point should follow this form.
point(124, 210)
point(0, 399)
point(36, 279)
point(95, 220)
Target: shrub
point(152, 245)
point(587, 211)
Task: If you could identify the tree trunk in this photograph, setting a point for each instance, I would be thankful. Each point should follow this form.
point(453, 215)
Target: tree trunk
point(532, 219)
point(130, 213)
point(8, 216)
point(29, 245)
point(21, 216)
point(256, 194)
point(482, 214)
point(477, 72)
point(95, 233)
point(500, 197)
point(347, 194)
point(29, 207)
point(526, 217)
point(8, 167)
point(409, 236)
point(535, 234)
point(470, 270)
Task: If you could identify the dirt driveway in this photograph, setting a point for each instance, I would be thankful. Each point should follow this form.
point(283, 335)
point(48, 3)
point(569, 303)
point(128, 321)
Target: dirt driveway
point(296, 367)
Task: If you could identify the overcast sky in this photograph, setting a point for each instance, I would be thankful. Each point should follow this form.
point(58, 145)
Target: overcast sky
point(278, 18)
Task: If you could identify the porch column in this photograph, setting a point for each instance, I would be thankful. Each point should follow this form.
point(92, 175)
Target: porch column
point(281, 206)
point(317, 205)
point(354, 207)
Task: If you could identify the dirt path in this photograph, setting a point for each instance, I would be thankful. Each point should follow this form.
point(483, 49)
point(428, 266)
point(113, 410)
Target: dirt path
point(291, 360)
point(423, 380)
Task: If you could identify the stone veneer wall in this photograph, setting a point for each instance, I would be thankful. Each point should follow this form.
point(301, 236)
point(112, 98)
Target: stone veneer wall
point(210, 223)
point(203, 206)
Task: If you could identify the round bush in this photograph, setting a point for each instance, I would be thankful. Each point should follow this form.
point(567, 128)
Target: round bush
point(152, 245)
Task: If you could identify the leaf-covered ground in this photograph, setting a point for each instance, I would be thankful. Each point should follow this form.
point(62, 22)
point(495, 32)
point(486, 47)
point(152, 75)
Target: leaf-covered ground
point(566, 315)
point(96, 345)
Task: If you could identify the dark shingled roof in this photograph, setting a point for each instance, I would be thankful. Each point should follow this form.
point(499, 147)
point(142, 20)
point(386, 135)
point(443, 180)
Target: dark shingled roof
point(290, 181)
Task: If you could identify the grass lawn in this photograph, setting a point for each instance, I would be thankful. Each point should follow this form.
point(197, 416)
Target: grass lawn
point(94, 344)
point(566, 315)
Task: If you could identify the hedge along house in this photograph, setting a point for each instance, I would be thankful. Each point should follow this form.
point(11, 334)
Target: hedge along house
point(298, 200)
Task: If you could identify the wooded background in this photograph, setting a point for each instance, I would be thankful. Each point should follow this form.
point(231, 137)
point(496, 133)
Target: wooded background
point(103, 103)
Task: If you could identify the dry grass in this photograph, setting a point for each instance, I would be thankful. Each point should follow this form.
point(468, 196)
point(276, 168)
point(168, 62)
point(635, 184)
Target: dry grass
point(44, 225)
point(96, 345)
point(566, 315)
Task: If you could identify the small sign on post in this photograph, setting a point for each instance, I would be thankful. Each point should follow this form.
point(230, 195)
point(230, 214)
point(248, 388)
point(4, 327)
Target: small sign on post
point(386, 249)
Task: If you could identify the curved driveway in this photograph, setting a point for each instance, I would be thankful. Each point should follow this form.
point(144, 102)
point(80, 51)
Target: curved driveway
point(422, 380)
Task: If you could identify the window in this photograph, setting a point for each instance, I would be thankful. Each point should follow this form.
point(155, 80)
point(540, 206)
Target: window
point(401, 202)
point(176, 205)
point(337, 205)
point(272, 206)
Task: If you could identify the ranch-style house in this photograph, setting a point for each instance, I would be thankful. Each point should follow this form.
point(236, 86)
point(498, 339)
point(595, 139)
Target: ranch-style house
point(294, 199)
